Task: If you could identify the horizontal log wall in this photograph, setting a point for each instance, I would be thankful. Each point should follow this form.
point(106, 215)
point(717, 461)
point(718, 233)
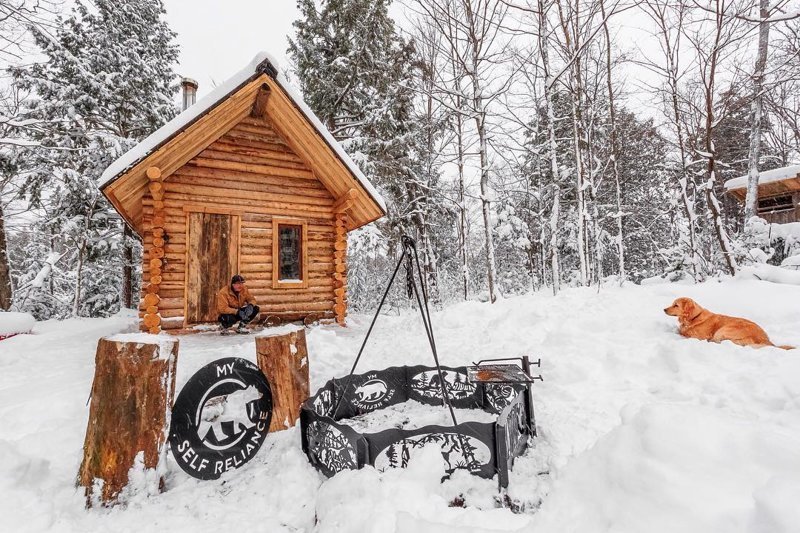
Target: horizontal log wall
point(251, 172)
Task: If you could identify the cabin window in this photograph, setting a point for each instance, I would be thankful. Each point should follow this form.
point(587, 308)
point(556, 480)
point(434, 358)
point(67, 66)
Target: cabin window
point(290, 257)
point(289, 268)
point(775, 203)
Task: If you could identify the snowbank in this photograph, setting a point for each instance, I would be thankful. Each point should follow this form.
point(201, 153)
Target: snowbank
point(771, 273)
point(12, 323)
point(793, 261)
point(653, 471)
point(640, 430)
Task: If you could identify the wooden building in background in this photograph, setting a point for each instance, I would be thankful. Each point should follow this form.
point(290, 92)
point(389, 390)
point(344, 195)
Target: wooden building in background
point(249, 181)
point(778, 194)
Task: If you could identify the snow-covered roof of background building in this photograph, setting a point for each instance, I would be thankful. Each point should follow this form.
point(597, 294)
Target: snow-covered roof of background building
point(768, 176)
point(188, 116)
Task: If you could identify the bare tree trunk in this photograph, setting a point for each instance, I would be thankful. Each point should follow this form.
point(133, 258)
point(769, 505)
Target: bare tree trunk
point(76, 301)
point(476, 41)
point(485, 202)
point(457, 67)
point(81, 257)
point(127, 268)
point(554, 269)
point(614, 149)
point(552, 144)
point(462, 209)
point(751, 201)
point(573, 50)
point(711, 197)
point(5, 274)
point(658, 12)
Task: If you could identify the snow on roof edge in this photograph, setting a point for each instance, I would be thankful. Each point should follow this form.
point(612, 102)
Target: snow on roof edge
point(768, 176)
point(153, 141)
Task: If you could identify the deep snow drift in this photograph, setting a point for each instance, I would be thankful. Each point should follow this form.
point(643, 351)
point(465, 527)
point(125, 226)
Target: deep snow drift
point(640, 429)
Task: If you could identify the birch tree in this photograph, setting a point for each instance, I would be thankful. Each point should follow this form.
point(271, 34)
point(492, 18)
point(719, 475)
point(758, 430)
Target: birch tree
point(751, 200)
point(712, 38)
point(473, 30)
point(614, 148)
point(669, 25)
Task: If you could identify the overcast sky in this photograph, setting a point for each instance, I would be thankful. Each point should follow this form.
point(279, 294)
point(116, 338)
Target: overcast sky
point(218, 38)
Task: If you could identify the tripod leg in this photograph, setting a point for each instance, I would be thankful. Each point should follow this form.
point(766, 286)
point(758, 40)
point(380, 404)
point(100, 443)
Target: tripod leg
point(369, 332)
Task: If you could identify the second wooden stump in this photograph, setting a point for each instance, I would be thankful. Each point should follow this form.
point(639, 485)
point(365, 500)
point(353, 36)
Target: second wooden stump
point(283, 358)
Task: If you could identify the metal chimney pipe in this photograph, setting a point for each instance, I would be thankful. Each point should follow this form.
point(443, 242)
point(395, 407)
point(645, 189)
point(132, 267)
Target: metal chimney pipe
point(189, 92)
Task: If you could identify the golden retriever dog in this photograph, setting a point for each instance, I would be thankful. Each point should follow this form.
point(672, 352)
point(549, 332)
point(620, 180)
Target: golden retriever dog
point(698, 323)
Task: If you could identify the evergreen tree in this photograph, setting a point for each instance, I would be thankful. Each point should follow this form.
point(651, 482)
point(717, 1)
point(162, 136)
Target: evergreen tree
point(107, 82)
point(359, 76)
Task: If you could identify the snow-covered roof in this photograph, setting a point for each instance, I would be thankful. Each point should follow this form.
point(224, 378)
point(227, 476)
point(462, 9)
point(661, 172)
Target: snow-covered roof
point(188, 116)
point(768, 176)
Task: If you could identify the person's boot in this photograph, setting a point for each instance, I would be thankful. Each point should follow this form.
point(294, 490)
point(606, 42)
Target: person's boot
point(242, 329)
point(224, 331)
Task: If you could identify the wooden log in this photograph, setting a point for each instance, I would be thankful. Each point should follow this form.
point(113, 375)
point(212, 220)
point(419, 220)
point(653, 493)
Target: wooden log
point(260, 105)
point(153, 173)
point(156, 263)
point(151, 299)
point(158, 242)
point(267, 170)
point(158, 232)
point(152, 288)
point(132, 395)
point(172, 323)
point(151, 320)
point(283, 358)
point(156, 189)
point(170, 313)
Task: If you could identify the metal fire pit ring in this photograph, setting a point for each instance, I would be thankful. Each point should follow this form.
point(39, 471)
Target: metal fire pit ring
point(484, 449)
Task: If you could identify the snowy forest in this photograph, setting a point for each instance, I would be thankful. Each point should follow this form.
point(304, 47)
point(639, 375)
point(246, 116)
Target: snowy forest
point(527, 145)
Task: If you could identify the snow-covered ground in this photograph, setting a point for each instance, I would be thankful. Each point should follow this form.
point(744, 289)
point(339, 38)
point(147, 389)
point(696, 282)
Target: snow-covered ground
point(640, 429)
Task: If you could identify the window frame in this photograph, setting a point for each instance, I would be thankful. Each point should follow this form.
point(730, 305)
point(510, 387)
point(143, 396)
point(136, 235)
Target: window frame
point(278, 283)
point(777, 207)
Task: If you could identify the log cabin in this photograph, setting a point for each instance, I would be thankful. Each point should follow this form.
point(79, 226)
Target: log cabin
point(248, 181)
point(778, 194)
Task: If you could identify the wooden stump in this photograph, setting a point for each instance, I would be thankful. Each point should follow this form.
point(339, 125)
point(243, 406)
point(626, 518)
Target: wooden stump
point(283, 358)
point(131, 401)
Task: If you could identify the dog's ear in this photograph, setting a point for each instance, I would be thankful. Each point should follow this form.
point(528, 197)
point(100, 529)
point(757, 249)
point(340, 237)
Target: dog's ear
point(689, 308)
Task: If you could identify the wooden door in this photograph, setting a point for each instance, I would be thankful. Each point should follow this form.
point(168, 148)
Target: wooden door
point(213, 257)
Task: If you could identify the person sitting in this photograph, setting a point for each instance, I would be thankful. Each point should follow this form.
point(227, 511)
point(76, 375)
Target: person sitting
point(235, 304)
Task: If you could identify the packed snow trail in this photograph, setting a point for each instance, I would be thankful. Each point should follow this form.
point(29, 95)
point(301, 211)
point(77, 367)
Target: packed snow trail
point(640, 429)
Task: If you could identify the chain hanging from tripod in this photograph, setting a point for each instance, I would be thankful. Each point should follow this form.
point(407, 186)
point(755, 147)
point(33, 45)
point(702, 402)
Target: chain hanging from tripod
point(409, 275)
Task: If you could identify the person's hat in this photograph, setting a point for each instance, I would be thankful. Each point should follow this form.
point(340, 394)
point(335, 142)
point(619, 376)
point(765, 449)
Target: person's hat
point(237, 279)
